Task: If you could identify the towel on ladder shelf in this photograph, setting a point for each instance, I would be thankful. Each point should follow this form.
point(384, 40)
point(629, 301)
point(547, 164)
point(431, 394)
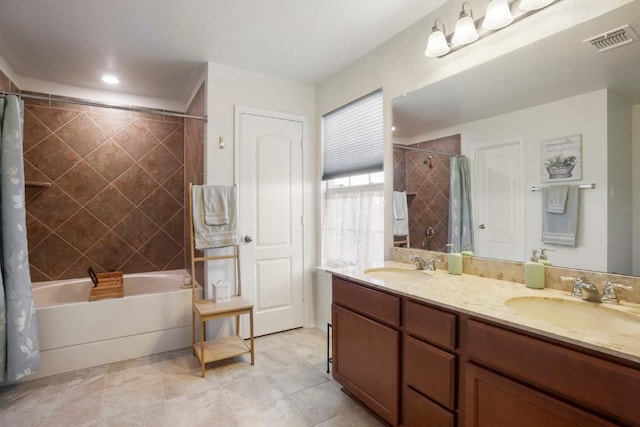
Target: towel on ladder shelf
point(561, 228)
point(214, 236)
point(216, 208)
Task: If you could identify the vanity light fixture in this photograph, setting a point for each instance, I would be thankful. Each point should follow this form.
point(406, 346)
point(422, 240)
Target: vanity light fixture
point(528, 5)
point(437, 45)
point(465, 31)
point(499, 15)
point(110, 79)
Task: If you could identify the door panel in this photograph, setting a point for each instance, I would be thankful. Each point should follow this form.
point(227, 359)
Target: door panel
point(500, 200)
point(271, 209)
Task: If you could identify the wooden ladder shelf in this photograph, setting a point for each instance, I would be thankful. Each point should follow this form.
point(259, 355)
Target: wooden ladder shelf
point(206, 310)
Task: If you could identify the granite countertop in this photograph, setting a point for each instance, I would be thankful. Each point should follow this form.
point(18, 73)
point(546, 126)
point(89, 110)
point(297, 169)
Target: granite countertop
point(485, 298)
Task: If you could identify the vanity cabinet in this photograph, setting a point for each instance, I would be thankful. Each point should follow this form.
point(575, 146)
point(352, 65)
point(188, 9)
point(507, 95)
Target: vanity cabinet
point(417, 364)
point(430, 366)
point(537, 382)
point(366, 346)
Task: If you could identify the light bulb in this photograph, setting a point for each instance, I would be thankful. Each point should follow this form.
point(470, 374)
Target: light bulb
point(465, 31)
point(437, 44)
point(498, 15)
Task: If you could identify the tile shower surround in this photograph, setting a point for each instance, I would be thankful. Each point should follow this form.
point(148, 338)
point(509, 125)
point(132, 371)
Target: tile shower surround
point(428, 189)
point(117, 189)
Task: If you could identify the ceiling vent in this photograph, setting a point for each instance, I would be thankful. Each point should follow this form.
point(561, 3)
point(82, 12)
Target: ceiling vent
point(612, 39)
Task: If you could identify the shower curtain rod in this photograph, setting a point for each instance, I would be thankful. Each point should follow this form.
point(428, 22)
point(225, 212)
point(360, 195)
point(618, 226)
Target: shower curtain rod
point(425, 150)
point(99, 104)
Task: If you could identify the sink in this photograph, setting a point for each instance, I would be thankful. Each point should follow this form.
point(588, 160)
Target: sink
point(575, 314)
point(391, 274)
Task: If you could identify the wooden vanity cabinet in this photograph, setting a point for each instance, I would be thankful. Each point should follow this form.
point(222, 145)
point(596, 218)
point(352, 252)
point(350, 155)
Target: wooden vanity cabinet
point(430, 366)
point(536, 382)
point(366, 346)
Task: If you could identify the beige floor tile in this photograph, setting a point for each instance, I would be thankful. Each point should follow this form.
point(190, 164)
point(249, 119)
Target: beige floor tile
point(151, 416)
point(288, 386)
point(323, 402)
point(250, 392)
point(135, 393)
point(298, 378)
point(198, 409)
point(282, 413)
point(177, 384)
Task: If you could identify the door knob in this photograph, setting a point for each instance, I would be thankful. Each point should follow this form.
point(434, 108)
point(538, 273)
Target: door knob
point(481, 226)
point(248, 239)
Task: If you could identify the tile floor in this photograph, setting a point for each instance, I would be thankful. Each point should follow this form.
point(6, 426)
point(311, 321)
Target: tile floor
point(288, 386)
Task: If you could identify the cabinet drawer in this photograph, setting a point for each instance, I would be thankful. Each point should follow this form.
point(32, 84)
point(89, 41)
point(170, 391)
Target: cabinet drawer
point(611, 388)
point(431, 324)
point(377, 305)
point(420, 411)
point(430, 371)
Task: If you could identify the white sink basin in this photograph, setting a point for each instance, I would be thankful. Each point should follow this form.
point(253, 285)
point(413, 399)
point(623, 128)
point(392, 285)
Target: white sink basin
point(575, 314)
point(391, 274)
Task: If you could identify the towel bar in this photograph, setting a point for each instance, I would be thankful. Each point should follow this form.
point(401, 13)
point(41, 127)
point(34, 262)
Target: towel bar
point(581, 186)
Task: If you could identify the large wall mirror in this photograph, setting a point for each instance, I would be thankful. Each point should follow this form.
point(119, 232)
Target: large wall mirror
point(503, 116)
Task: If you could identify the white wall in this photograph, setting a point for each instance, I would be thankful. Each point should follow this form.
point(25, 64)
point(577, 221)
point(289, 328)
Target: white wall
point(635, 138)
point(620, 194)
point(399, 65)
point(228, 87)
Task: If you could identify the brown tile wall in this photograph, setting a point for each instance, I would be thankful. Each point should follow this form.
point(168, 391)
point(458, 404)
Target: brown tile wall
point(116, 199)
point(427, 189)
point(194, 166)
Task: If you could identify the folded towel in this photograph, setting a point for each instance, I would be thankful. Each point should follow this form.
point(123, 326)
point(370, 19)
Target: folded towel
point(214, 236)
point(216, 211)
point(561, 229)
point(400, 214)
point(557, 198)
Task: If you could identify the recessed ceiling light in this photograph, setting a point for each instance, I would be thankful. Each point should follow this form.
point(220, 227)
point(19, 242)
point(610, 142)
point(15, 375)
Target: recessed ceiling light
point(110, 79)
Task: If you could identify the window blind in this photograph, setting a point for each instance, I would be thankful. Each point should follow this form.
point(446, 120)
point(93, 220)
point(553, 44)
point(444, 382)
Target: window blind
point(353, 138)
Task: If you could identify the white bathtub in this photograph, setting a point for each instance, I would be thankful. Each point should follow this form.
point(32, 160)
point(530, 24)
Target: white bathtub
point(153, 316)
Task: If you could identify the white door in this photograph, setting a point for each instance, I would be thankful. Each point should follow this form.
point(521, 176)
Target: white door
point(500, 202)
point(270, 187)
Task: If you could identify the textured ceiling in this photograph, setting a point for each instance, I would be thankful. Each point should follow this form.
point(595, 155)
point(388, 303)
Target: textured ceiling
point(158, 47)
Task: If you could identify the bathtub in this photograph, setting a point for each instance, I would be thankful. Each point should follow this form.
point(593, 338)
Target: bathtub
point(153, 316)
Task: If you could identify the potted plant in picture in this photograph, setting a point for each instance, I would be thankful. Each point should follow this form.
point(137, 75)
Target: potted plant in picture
point(560, 166)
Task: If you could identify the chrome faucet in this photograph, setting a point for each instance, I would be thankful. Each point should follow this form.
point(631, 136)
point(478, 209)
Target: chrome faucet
point(609, 295)
point(421, 264)
point(584, 290)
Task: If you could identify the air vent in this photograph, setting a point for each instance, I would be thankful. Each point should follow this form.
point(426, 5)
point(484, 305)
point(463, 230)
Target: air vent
point(612, 39)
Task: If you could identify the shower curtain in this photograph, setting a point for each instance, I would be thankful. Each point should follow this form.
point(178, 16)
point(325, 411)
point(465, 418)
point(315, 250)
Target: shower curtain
point(19, 350)
point(460, 204)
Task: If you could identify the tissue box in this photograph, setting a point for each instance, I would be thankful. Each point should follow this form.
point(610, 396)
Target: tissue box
point(220, 291)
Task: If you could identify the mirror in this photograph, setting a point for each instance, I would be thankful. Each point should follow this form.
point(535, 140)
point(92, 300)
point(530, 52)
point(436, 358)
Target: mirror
point(558, 87)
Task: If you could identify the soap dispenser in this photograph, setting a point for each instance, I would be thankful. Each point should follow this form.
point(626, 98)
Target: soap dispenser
point(467, 251)
point(534, 272)
point(543, 257)
point(455, 259)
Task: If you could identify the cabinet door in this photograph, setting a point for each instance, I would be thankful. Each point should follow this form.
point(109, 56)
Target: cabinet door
point(420, 412)
point(366, 361)
point(494, 401)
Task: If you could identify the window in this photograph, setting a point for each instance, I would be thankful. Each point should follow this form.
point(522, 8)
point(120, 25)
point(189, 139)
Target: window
point(353, 220)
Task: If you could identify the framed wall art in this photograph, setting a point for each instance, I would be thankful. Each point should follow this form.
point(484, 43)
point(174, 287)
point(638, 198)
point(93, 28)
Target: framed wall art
point(561, 159)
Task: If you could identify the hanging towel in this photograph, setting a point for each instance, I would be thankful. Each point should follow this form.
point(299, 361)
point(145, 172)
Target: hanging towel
point(400, 214)
point(216, 204)
point(214, 236)
point(561, 228)
point(556, 198)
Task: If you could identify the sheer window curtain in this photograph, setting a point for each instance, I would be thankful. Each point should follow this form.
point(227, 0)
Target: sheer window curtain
point(19, 350)
point(353, 227)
